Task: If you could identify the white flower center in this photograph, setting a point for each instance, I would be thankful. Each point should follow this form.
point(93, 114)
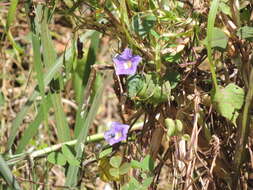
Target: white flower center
point(127, 64)
point(118, 135)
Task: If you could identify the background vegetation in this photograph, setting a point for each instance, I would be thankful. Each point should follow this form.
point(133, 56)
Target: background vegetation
point(189, 107)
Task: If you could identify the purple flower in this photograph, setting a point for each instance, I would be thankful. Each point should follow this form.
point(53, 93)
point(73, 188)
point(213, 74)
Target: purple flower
point(117, 133)
point(126, 63)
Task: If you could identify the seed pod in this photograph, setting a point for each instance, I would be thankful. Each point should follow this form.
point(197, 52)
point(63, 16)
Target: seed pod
point(179, 126)
point(175, 127)
point(170, 124)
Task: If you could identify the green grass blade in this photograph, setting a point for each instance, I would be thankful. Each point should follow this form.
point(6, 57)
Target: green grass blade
point(79, 147)
point(79, 66)
point(63, 131)
point(7, 175)
point(15, 45)
point(20, 116)
point(39, 68)
point(91, 59)
point(49, 56)
point(11, 13)
point(210, 27)
point(31, 131)
point(37, 63)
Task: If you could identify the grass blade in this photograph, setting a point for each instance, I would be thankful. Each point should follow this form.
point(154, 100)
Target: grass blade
point(20, 116)
point(49, 56)
point(30, 132)
point(11, 13)
point(63, 131)
point(210, 27)
point(7, 175)
point(91, 59)
point(87, 121)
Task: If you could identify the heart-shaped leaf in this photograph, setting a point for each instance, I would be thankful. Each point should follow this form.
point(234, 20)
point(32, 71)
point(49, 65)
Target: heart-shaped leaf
point(147, 163)
point(105, 152)
point(219, 39)
point(124, 168)
point(142, 24)
point(228, 101)
point(245, 32)
point(69, 156)
point(114, 172)
point(147, 181)
point(56, 158)
point(135, 164)
point(115, 161)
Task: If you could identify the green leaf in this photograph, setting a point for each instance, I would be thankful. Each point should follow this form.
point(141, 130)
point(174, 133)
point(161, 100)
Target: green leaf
point(135, 164)
point(114, 172)
point(11, 13)
point(16, 123)
point(147, 163)
point(87, 121)
point(210, 30)
point(32, 129)
point(245, 32)
point(147, 182)
point(148, 88)
point(228, 101)
point(2, 99)
point(154, 33)
point(124, 168)
point(105, 152)
point(132, 185)
point(69, 156)
point(56, 158)
point(49, 59)
point(115, 161)
point(80, 86)
point(219, 39)
point(172, 57)
point(173, 77)
point(5, 172)
point(142, 24)
point(63, 131)
point(225, 8)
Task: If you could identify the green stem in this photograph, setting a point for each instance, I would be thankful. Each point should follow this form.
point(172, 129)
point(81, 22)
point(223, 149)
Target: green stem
point(42, 153)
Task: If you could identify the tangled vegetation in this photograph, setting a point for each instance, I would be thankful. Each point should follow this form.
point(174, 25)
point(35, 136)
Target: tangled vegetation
point(126, 94)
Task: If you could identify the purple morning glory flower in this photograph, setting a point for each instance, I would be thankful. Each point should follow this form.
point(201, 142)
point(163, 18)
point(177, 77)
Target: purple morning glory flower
point(126, 63)
point(117, 133)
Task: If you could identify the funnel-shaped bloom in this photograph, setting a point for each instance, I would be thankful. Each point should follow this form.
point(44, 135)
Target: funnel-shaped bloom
point(117, 133)
point(126, 63)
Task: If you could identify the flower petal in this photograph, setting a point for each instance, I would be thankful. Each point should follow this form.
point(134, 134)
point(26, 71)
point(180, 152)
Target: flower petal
point(111, 135)
point(136, 59)
point(126, 63)
point(126, 54)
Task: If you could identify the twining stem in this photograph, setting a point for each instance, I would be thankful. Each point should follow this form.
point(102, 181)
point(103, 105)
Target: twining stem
point(43, 152)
